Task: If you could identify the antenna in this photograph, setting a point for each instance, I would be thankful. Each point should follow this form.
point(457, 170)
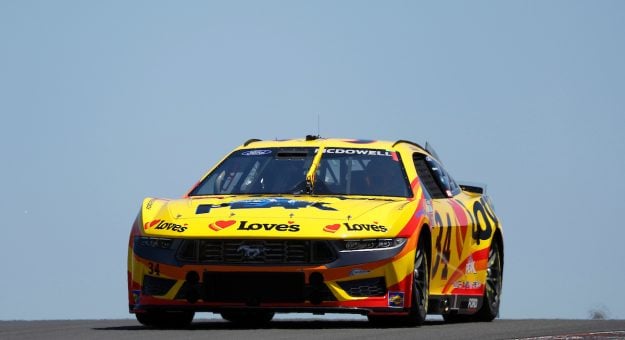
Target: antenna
point(318, 125)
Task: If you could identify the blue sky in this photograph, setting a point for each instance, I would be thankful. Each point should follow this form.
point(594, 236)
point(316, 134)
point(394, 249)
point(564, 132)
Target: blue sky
point(104, 103)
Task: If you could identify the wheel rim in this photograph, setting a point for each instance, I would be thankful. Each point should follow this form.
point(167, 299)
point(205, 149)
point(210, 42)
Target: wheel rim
point(493, 277)
point(420, 280)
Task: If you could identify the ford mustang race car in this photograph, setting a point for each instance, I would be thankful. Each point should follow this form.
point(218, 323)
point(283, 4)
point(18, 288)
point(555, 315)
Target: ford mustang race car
point(319, 226)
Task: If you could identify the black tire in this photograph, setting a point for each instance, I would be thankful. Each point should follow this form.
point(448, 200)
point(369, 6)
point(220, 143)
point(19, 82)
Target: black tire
point(420, 293)
point(248, 317)
point(494, 284)
point(159, 319)
point(420, 286)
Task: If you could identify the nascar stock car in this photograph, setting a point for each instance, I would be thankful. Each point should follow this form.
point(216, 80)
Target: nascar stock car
point(319, 226)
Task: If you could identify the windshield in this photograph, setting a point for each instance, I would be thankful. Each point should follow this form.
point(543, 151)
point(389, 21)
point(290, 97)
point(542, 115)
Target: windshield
point(283, 171)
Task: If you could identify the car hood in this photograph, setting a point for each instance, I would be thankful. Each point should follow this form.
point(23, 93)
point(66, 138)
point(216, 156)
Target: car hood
point(308, 217)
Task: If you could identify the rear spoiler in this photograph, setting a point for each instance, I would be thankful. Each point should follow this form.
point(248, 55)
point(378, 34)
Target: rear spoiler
point(476, 188)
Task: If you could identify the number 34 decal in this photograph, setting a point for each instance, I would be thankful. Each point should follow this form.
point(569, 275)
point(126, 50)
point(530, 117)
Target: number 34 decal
point(482, 229)
point(154, 269)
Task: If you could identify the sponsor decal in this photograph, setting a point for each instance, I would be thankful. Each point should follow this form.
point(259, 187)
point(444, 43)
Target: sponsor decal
point(367, 152)
point(255, 152)
point(162, 225)
point(366, 227)
point(263, 203)
point(220, 225)
point(429, 210)
point(483, 213)
point(470, 267)
point(331, 228)
point(467, 284)
point(278, 202)
point(136, 295)
point(149, 225)
point(244, 225)
point(358, 271)
point(396, 299)
point(148, 206)
point(472, 303)
point(251, 252)
point(290, 226)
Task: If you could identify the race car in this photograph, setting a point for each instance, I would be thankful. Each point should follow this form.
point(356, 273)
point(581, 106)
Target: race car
point(317, 225)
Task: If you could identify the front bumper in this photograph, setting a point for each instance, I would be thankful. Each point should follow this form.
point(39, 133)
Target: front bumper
point(172, 277)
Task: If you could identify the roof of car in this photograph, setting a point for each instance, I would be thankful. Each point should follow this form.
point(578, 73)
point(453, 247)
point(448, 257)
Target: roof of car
point(332, 142)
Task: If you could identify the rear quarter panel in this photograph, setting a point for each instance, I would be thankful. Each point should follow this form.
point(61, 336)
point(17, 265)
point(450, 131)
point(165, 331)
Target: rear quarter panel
point(462, 232)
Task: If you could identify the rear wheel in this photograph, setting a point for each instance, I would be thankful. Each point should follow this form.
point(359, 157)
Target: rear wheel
point(420, 292)
point(492, 292)
point(248, 317)
point(159, 319)
point(494, 280)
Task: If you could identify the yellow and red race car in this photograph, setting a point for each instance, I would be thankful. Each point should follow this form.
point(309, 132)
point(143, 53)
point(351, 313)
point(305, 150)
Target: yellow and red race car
point(319, 226)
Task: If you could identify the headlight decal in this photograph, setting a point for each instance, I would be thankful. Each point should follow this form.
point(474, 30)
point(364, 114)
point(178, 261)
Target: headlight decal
point(153, 242)
point(361, 254)
point(372, 244)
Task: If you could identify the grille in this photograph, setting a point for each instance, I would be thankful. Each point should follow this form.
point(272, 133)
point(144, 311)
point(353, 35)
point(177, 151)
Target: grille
point(254, 288)
point(156, 285)
point(366, 287)
point(273, 252)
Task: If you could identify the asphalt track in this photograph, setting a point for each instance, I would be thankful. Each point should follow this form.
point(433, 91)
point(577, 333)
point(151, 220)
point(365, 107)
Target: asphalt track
point(315, 329)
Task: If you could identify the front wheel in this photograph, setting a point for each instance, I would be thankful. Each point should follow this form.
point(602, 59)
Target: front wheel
point(420, 286)
point(159, 319)
point(420, 292)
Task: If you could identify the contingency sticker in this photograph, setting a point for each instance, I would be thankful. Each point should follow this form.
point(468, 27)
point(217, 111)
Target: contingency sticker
point(136, 295)
point(396, 299)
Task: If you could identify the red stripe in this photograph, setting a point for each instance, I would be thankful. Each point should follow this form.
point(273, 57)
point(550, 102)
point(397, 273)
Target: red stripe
point(415, 221)
point(418, 215)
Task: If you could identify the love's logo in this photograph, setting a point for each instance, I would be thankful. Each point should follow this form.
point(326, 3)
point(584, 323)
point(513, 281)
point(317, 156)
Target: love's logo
point(220, 225)
point(149, 225)
point(332, 228)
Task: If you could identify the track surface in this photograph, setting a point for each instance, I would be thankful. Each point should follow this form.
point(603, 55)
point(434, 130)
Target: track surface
point(315, 329)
